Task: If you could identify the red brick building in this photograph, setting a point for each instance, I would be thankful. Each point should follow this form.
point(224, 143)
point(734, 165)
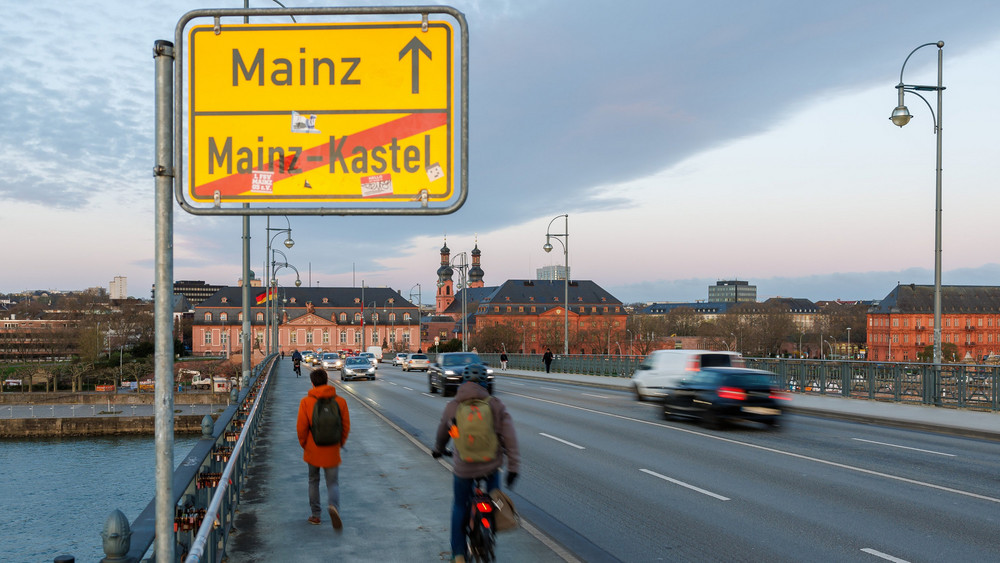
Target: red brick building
point(901, 326)
point(331, 318)
point(531, 312)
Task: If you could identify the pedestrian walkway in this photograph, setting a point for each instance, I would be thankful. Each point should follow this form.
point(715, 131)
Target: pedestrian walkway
point(395, 499)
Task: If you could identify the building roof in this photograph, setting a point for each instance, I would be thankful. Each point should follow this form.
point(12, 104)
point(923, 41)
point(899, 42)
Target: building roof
point(550, 293)
point(336, 297)
point(919, 299)
point(701, 308)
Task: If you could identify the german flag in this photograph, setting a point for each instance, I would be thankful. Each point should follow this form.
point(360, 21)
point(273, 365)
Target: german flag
point(266, 296)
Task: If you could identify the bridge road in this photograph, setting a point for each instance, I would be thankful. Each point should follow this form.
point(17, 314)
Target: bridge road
point(395, 499)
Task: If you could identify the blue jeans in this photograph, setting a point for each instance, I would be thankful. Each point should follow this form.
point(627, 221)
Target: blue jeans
point(460, 510)
point(332, 488)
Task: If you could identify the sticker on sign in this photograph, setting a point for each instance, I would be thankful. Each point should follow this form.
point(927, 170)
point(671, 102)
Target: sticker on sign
point(375, 186)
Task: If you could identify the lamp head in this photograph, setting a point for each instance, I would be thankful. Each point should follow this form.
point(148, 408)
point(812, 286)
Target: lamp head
point(900, 116)
point(289, 242)
point(547, 247)
point(298, 283)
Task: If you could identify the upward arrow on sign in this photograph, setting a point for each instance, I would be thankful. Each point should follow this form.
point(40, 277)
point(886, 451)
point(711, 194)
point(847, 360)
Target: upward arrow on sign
point(415, 47)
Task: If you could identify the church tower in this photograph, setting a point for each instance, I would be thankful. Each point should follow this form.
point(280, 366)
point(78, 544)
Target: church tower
point(445, 286)
point(476, 272)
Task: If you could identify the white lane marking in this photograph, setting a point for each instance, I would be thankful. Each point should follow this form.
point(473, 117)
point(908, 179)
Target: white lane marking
point(903, 447)
point(592, 395)
point(550, 388)
point(512, 383)
point(683, 484)
point(428, 395)
point(407, 388)
point(772, 450)
point(551, 437)
point(885, 556)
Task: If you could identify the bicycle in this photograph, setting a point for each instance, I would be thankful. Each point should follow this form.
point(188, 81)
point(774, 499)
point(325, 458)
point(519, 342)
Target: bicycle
point(480, 538)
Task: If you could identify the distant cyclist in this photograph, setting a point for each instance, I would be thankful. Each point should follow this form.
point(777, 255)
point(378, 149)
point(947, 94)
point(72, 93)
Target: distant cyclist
point(471, 395)
point(296, 361)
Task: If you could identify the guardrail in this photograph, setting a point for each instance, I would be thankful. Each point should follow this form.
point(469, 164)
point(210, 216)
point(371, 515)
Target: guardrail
point(206, 484)
point(975, 387)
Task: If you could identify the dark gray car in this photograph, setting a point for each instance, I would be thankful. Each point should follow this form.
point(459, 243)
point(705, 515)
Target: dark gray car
point(445, 374)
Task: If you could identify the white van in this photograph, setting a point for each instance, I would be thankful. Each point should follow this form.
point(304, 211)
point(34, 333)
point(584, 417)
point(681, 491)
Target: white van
point(376, 351)
point(663, 369)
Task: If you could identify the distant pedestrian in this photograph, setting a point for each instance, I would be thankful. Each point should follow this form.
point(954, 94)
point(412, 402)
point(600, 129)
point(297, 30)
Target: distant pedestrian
point(503, 361)
point(326, 458)
point(547, 358)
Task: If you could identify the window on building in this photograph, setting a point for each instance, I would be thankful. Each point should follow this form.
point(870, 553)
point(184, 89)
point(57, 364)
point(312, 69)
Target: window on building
point(239, 317)
point(326, 337)
point(392, 338)
point(342, 318)
point(406, 317)
point(374, 337)
point(392, 317)
point(496, 308)
point(208, 317)
point(260, 317)
point(532, 308)
point(895, 322)
point(207, 338)
point(509, 308)
point(309, 337)
point(293, 337)
point(343, 337)
point(223, 317)
point(357, 317)
point(326, 300)
point(406, 339)
point(224, 340)
point(357, 337)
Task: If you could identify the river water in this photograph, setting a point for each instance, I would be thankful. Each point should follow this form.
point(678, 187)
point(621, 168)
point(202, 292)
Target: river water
point(57, 493)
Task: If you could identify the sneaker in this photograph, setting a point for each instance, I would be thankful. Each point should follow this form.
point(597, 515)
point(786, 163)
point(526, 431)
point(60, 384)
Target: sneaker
point(458, 559)
point(335, 517)
point(314, 520)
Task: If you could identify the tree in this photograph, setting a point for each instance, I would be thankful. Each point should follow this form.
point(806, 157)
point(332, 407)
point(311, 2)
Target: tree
point(683, 321)
point(949, 351)
point(645, 331)
point(497, 338)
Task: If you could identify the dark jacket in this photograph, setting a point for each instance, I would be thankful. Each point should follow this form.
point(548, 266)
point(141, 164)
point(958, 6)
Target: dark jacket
point(502, 423)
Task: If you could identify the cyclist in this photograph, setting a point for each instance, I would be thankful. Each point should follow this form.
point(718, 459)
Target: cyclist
point(466, 472)
point(296, 360)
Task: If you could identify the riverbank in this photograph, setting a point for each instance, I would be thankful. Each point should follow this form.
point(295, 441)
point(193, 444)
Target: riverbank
point(101, 398)
point(107, 425)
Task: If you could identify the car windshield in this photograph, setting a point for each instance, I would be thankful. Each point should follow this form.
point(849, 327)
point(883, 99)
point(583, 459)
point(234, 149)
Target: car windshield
point(748, 380)
point(460, 359)
point(418, 357)
point(357, 362)
point(329, 356)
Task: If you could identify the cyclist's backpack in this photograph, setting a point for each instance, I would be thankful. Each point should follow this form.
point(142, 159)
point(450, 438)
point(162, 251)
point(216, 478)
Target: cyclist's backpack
point(476, 439)
point(326, 427)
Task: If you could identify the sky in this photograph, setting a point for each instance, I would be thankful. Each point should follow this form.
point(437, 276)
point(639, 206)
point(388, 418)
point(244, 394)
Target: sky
point(689, 142)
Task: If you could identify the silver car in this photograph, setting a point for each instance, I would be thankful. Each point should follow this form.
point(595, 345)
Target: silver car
point(416, 362)
point(400, 359)
point(357, 367)
point(331, 361)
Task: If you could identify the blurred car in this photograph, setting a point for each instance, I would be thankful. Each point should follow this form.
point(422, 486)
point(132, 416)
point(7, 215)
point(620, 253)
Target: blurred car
point(331, 360)
point(417, 362)
point(662, 369)
point(717, 396)
point(400, 359)
point(357, 367)
point(309, 357)
point(445, 374)
point(370, 357)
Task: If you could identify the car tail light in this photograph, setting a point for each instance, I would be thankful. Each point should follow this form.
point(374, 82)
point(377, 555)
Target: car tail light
point(693, 365)
point(778, 395)
point(732, 393)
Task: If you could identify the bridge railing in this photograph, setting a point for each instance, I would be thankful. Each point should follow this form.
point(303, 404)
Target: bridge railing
point(965, 386)
point(200, 494)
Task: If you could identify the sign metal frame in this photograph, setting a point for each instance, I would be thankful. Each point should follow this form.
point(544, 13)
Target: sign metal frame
point(417, 206)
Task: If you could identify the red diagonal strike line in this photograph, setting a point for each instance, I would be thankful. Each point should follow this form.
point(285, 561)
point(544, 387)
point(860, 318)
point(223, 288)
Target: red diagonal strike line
point(381, 134)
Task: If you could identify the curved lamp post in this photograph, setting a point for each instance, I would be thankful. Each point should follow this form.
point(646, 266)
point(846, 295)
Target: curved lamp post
point(563, 239)
point(274, 343)
point(900, 117)
point(463, 268)
point(267, 280)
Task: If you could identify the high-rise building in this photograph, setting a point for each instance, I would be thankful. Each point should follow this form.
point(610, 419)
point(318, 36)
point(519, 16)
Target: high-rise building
point(118, 288)
point(732, 291)
point(551, 273)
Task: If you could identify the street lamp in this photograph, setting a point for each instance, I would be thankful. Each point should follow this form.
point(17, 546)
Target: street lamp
point(900, 117)
point(275, 344)
point(563, 239)
point(463, 268)
point(849, 355)
point(267, 280)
